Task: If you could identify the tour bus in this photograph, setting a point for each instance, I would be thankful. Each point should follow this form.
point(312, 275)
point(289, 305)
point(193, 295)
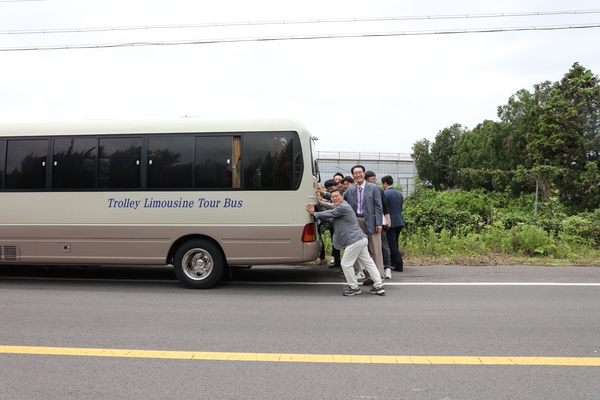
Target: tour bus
point(200, 195)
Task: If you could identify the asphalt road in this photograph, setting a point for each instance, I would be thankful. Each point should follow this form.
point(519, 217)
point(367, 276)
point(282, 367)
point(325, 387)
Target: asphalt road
point(443, 314)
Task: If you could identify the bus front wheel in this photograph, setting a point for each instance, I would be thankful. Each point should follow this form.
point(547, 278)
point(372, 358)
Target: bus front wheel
point(198, 264)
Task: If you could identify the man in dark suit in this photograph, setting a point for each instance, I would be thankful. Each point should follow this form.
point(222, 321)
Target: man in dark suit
point(365, 200)
point(371, 177)
point(395, 201)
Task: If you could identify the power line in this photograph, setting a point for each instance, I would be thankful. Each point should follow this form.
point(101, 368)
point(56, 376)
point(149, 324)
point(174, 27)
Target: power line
point(300, 37)
point(290, 22)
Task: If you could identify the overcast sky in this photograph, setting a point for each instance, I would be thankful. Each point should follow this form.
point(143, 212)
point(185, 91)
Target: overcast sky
point(374, 94)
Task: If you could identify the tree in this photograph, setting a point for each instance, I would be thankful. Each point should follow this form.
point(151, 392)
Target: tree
point(566, 133)
point(423, 162)
point(520, 117)
point(567, 137)
point(432, 160)
point(550, 136)
point(484, 147)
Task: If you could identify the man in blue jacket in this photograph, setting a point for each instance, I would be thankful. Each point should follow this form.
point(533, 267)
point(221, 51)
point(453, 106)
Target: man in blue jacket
point(395, 201)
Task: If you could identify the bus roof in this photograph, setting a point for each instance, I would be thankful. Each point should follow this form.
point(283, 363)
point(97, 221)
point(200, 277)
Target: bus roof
point(147, 126)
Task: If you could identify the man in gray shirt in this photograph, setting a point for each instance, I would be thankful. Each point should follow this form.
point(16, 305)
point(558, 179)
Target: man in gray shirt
point(349, 236)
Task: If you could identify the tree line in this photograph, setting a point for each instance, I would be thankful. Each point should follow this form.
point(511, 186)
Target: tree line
point(545, 140)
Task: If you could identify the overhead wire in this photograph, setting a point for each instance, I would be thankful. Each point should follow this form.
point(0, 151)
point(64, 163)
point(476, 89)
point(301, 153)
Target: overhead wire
point(295, 37)
point(293, 22)
point(300, 37)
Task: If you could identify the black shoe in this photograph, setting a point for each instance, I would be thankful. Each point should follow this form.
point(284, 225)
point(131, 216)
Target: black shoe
point(334, 265)
point(399, 267)
point(368, 282)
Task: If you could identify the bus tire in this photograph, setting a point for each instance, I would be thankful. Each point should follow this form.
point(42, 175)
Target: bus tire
point(198, 264)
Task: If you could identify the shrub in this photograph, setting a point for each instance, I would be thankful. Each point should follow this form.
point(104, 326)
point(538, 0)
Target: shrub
point(583, 228)
point(532, 240)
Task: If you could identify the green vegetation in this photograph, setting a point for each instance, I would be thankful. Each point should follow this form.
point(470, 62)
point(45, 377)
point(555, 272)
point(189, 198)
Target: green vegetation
point(479, 227)
point(524, 189)
point(547, 139)
point(485, 228)
point(521, 190)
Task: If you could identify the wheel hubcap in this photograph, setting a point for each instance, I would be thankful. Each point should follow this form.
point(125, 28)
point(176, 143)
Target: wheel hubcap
point(197, 264)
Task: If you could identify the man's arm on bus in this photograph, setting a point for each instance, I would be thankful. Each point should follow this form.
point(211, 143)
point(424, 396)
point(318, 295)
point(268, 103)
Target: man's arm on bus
point(325, 205)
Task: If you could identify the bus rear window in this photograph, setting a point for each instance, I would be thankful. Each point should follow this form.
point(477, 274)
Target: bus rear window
point(268, 161)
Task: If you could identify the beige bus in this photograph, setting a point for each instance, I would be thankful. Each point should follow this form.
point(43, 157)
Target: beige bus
point(197, 194)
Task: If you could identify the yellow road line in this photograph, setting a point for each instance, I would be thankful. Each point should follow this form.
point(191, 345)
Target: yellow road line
point(306, 358)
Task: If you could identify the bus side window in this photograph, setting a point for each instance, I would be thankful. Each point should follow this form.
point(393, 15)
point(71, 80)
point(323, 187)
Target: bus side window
point(2, 162)
point(213, 164)
point(119, 163)
point(26, 164)
point(73, 163)
point(170, 162)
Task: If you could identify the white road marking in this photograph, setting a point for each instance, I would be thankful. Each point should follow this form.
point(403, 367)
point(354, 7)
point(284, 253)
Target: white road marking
point(340, 283)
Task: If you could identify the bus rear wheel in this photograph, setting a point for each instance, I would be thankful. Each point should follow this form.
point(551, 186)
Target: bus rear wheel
point(198, 264)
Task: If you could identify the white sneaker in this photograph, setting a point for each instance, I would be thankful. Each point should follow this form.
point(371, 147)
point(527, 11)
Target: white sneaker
point(360, 275)
point(388, 273)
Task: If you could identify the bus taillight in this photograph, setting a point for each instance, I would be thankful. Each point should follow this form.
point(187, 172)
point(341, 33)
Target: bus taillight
point(309, 234)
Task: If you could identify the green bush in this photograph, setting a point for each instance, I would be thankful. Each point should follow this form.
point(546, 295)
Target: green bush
point(459, 225)
point(457, 222)
point(439, 219)
point(532, 240)
point(584, 228)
